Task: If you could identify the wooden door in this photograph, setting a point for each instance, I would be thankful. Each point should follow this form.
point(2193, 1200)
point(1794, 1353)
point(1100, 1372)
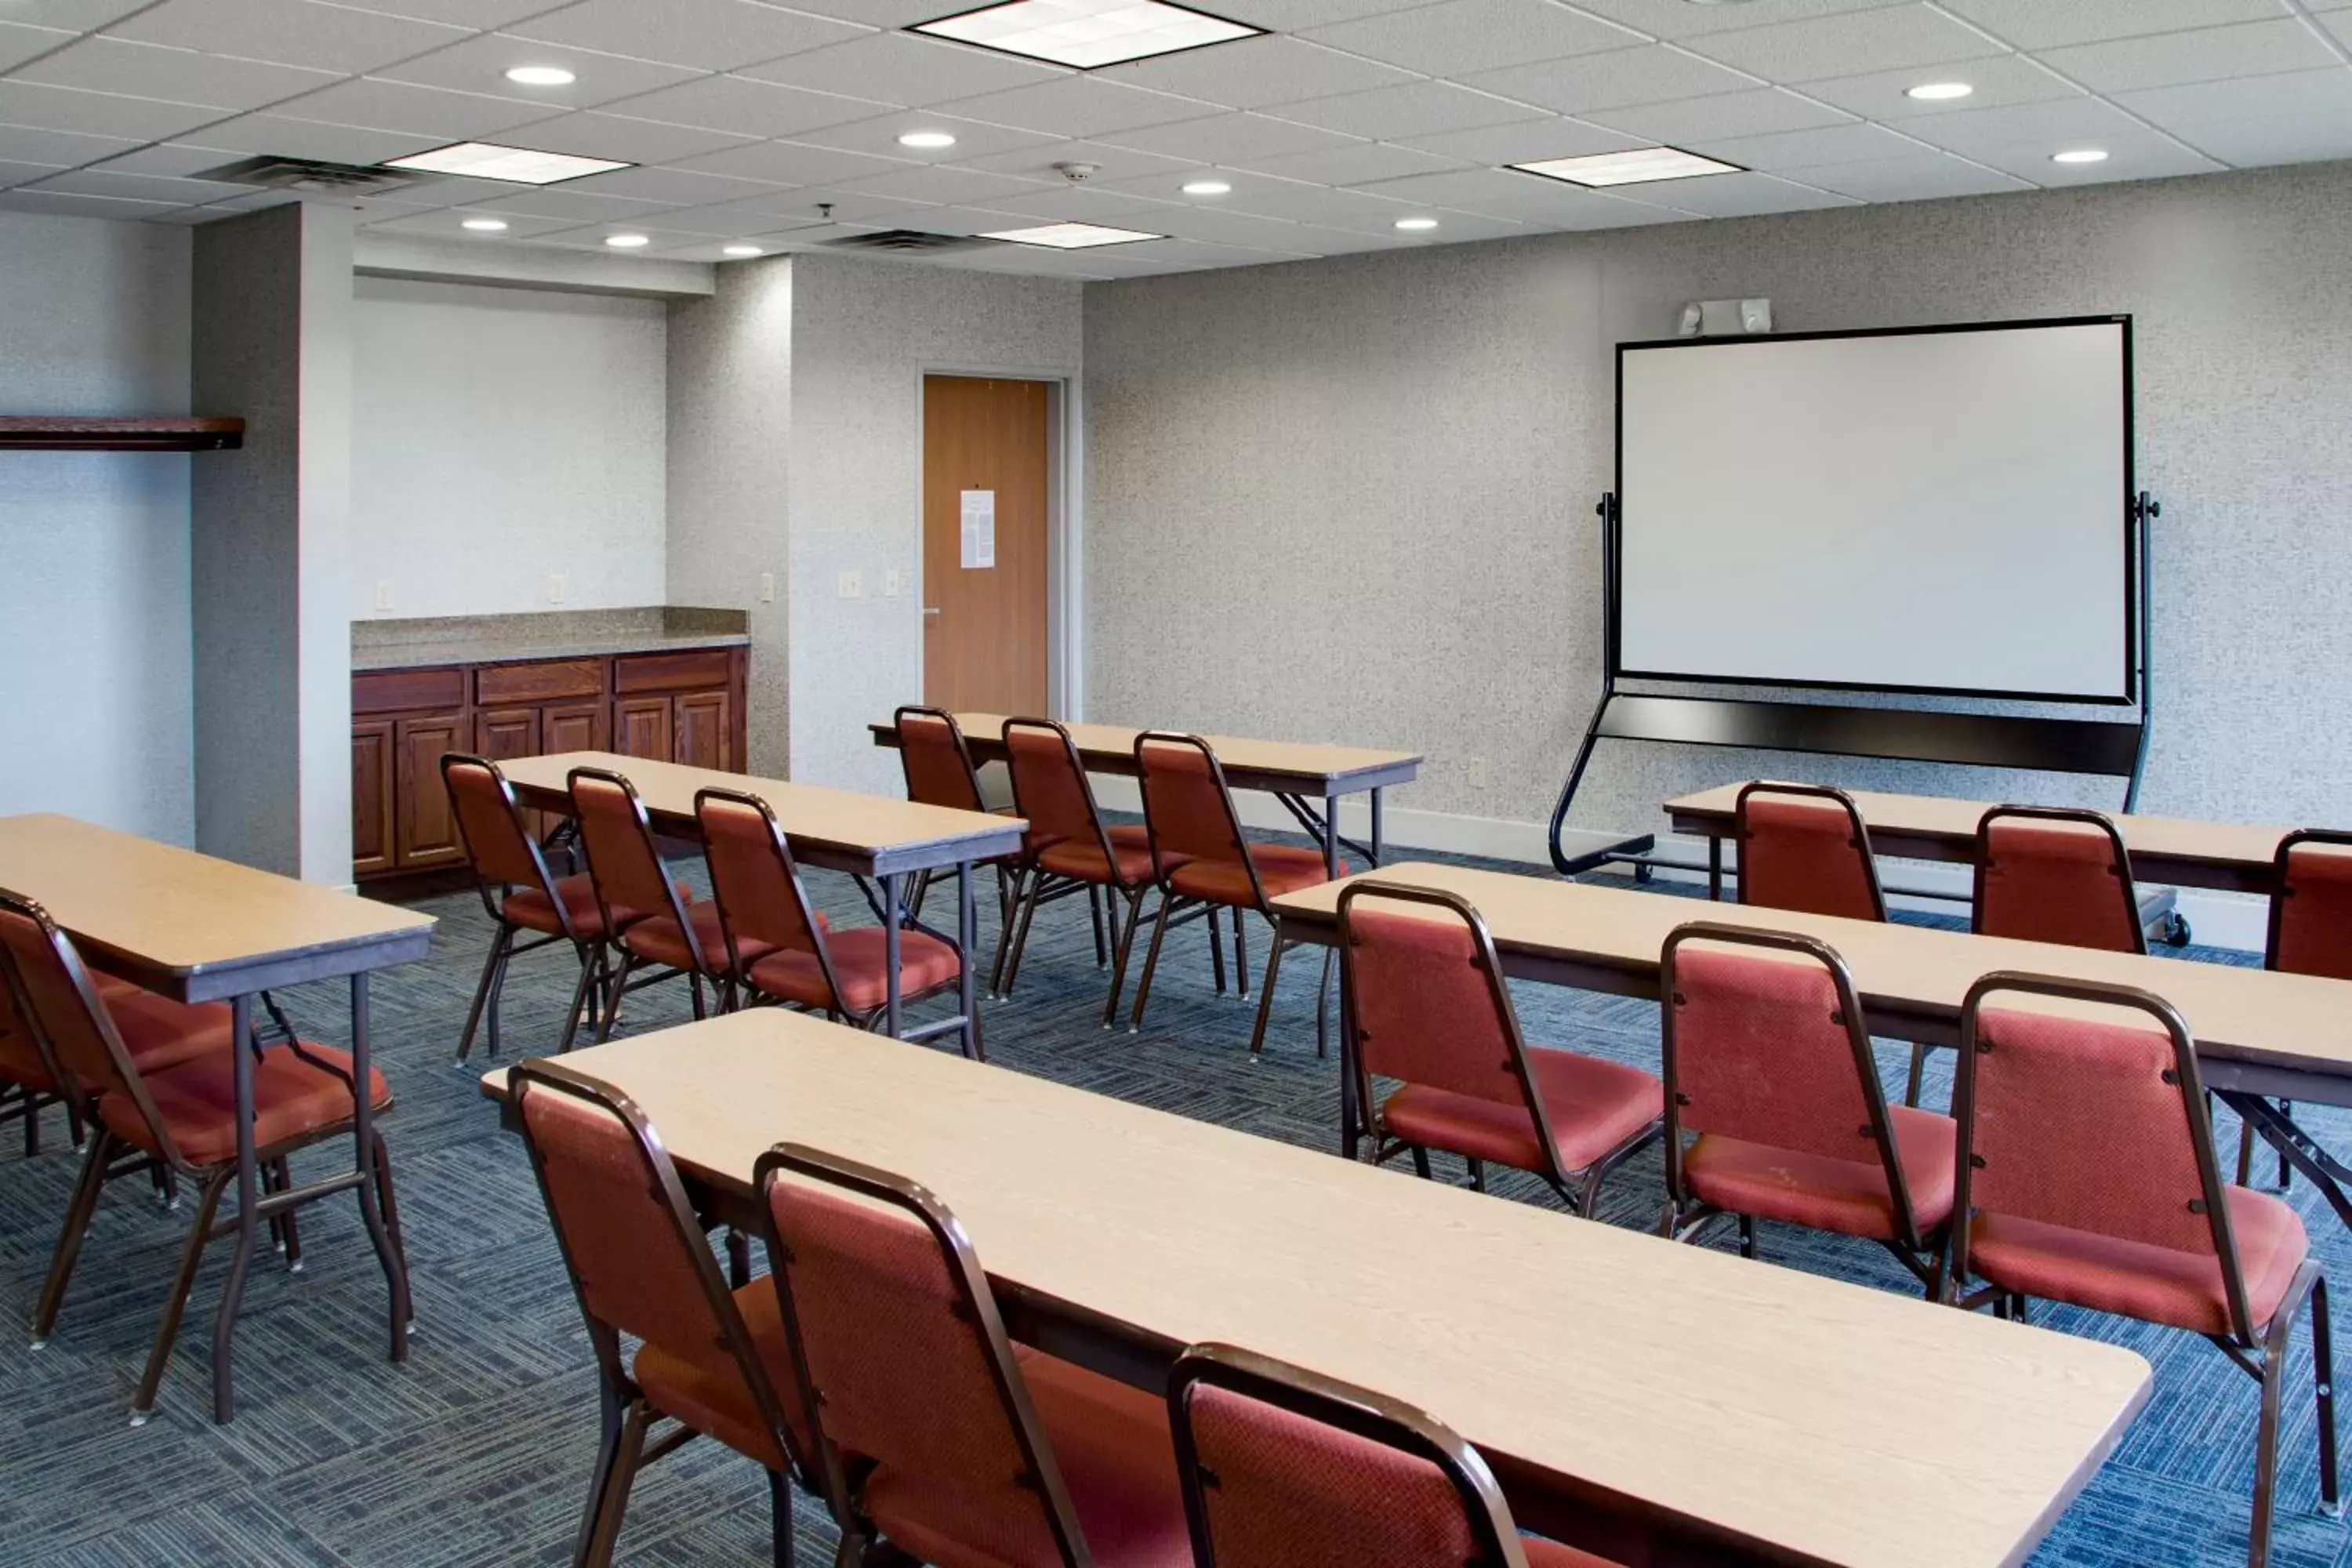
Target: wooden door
point(372, 796)
point(641, 727)
point(503, 733)
point(985, 626)
point(425, 828)
point(572, 727)
point(702, 730)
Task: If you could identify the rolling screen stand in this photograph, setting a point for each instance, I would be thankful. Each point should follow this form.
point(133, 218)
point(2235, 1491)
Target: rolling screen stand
point(2110, 748)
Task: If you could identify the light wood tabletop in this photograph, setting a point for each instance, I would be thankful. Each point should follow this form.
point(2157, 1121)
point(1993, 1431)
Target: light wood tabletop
point(192, 926)
point(2228, 854)
point(1297, 767)
point(1837, 1423)
point(838, 828)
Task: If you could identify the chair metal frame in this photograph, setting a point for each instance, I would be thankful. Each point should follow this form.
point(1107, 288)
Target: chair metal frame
point(617, 985)
point(21, 1101)
point(978, 802)
point(1346, 1407)
point(1032, 885)
point(2118, 864)
point(627, 1412)
point(2258, 1350)
point(1579, 1189)
point(1923, 1252)
point(975, 1306)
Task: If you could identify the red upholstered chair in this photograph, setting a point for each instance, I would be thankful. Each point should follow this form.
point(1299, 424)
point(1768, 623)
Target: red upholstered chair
point(170, 1105)
point(2310, 928)
point(1426, 996)
point(1804, 847)
point(1769, 1064)
point(937, 1437)
point(1069, 850)
point(1203, 863)
point(2087, 1175)
point(777, 948)
point(520, 894)
point(939, 771)
point(651, 918)
point(1285, 1468)
point(30, 1081)
point(2055, 874)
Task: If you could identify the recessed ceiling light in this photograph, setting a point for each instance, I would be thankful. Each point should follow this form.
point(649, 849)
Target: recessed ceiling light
point(486, 224)
point(927, 139)
point(1937, 91)
point(1633, 168)
point(627, 241)
point(517, 165)
point(542, 76)
point(740, 251)
point(2080, 155)
point(1072, 235)
point(1087, 33)
point(1415, 225)
point(1208, 188)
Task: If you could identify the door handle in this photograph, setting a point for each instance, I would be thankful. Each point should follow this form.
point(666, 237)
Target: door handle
point(930, 609)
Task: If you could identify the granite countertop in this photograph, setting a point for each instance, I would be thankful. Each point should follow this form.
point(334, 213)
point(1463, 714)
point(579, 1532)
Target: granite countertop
point(419, 643)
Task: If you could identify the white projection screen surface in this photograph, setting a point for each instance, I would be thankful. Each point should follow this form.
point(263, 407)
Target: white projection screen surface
point(1942, 509)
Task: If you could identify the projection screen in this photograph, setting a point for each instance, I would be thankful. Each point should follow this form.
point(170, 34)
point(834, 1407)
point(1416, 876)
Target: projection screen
point(1939, 509)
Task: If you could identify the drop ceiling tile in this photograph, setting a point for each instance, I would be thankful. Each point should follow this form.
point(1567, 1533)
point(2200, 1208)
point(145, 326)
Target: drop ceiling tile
point(904, 68)
point(1919, 177)
point(944, 186)
point(682, 187)
point(1527, 142)
point(882, 13)
point(429, 111)
point(174, 76)
point(1888, 37)
point(69, 205)
point(1458, 229)
point(73, 15)
point(2065, 120)
point(1756, 113)
point(800, 207)
point(1036, 162)
point(1202, 252)
point(707, 35)
point(1232, 229)
point(2339, 25)
point(2278, 138)
point(791, 163)
point(1292, 200)
point(144, 187)
point(1296, 16)
point(19, 43)
point(1683, 19)
point(275, 135)
point(595, 134)
point(1250, 73)
point(1734, 195)
point(2045, 24)
point(879, 137)
point(23, 174)
point(576, 207)
point(1618, 79)
point(61, 149)
point(1354, 165)
point(39, 108)
point(164, 158)
point(2133, 153)
point(1414, 108)
point(1459, 37)
point(289, 32)
point(2000, 82)
point(723, 219)
point(451, 224)
point(745, 107)
point(480, 64)
point(463, 12)
point(1081, 106)
point(2294, 93)
point(1802, 148)
point(1230, 139)
point(1502, 192)
point(1081, 204)
point(592, 238)
point(2207, 54)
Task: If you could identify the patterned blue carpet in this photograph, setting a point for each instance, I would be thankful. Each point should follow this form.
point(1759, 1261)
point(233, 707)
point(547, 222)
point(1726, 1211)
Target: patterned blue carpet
point(477, 1451)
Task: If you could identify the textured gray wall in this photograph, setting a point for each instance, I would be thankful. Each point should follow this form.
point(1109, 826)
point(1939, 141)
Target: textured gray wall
point(864, 334)
point(1351, 499)
point(96, 695)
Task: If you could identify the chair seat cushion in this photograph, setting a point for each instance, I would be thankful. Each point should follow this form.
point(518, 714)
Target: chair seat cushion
point(160, 1034)
point(1848, 1196)
point(861, 966)
point(657, 939)
point(1281, 869)
point(1593, 1106)
point(2135, 1279)
point(722, 1407)
point(1552, 1554)
point(196, 1101)
point(1082, 858)
point(1112, 1445)
point(529, 908)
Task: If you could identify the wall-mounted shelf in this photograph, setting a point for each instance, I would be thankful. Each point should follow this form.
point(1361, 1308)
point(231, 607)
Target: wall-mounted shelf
point(47, 433)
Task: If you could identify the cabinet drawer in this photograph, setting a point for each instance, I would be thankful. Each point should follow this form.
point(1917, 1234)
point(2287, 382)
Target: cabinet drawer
point(544, 681)
point(396, 690)
point(671, 671)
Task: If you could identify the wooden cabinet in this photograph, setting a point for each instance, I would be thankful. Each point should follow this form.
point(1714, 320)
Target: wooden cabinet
point(684, 706)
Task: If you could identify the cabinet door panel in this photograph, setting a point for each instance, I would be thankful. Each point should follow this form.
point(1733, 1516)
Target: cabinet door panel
point(641, 727)
point(372, 797)
point(575, 727)
point(426, 827)
point(503, 733)
point(705, 729)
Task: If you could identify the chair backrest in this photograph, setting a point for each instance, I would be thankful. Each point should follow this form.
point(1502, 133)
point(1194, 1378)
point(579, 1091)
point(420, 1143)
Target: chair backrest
point(1426, 995)
point(624, 865)
point(1049, 787)
point(938, 763)
point(2092, 1124)
point(52, 995)
point(1283, 1469)
point(2055, 874)
point(753, 879)
point(1804, 848)
point(2311, 905)
point(491, 827)
point(1187, 809)
point(1768, 1045)
point(639, 1262)
point(902, 1353)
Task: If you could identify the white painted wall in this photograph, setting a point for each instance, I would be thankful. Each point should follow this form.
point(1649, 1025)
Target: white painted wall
point(500, 436)
point(96, 699)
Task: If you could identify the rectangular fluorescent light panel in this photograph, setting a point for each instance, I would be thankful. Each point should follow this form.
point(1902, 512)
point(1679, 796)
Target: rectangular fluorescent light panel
point(517, 165)
point(1072, 235)
point(1637, 167)
point(1087, 33)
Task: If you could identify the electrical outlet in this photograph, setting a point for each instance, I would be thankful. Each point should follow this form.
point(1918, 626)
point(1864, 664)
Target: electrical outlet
point(1475, 769)
point(383, 592)
point(850, 585)
point(767, 587)
point(894, 583)
point(556, 587)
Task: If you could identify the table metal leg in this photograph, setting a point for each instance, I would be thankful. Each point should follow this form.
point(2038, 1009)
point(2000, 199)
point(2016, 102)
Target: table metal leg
point(1331, 836)
point(1351, 1113)
point(248, 1204)
point(364, 1141)
point(1380, 844)
point(968, 940)
point(890, 954)
point(2298, 1148)
point(1714, 868)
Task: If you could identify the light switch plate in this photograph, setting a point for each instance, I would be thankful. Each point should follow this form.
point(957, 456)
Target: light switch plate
point(767, 587)
point(556, 587)
point(383, 592)
point(894, 583)
point(850, 585)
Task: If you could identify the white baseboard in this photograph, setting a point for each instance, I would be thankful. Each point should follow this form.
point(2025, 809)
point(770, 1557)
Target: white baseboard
point(2235, 920)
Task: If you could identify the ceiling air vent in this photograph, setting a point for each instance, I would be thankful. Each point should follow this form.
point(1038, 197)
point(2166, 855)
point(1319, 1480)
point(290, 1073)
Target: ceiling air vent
point(308, 178)
point(911, 242)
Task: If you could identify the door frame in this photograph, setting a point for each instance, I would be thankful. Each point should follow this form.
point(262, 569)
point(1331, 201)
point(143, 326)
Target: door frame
point(1064, 527)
